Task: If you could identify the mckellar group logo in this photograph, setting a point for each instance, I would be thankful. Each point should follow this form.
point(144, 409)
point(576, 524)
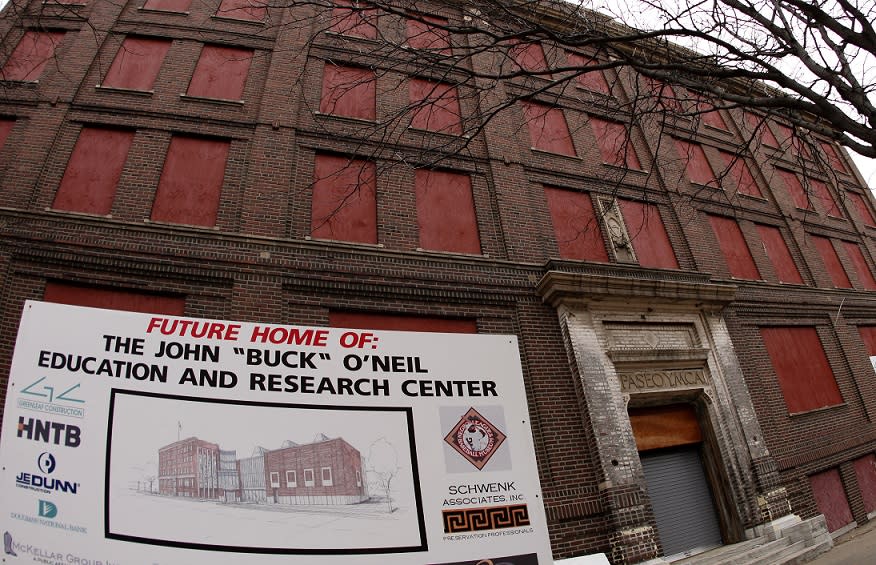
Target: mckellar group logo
point(7, 544)
point(44, 395)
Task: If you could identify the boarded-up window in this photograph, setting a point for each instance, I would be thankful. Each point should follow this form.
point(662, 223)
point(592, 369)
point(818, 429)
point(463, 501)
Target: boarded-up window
point(827, 201)
point(249, 10)
point(428, 33)
point(801, 366)
point(168, 5)
point(34, 51)
point(733, 248)
point(592, 80)
point(221, 72)
point(348, 91)
point(445, 212)
point(865, 471)
point(833, 158)
point(93, 171)
point(831, 261)
point(356, 19)
point(114, 299)
point(696, 165)
point(863, 208)
point(779, 255)
point(575, 225)
point(615, 145)
point(795, 188)
point(793, 142)
point(399, 322)
point(6, 125)
point(830, 498)
point(344, 199)
point(785, 132)
point(137, 63)
point(710, 116)
point(862, 268)
point(662, 95)
point(191, 182)
point(548, 130)
point(740, 174)
point(529, 57)
point(868, 334)
point(759, 125)
point(648, 235)
point(435, 106)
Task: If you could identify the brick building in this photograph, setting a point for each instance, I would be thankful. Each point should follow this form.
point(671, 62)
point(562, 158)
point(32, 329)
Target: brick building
point(326, 471)
point(214, 159)
point(189, 468)
point(323, 472)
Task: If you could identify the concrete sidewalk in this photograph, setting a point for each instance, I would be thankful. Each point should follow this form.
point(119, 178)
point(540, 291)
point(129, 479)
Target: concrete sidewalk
point(857, 547)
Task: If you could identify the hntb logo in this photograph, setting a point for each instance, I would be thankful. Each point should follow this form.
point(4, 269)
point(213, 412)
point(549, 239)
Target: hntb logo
point(49, 432)
point(46, 509)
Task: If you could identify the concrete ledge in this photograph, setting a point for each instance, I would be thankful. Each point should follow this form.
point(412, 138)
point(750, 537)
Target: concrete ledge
point(558, 287)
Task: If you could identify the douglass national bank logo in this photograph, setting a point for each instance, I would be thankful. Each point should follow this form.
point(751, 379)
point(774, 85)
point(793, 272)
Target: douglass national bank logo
point(46, 509)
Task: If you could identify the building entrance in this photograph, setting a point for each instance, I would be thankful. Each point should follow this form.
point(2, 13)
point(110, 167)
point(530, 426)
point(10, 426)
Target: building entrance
point(682, 501)
point(669, 440)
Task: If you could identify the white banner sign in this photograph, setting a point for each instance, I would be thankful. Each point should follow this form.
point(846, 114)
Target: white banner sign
point(138, 438)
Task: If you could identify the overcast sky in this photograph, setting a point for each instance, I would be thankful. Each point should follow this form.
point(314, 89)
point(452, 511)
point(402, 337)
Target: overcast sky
point(867, 168)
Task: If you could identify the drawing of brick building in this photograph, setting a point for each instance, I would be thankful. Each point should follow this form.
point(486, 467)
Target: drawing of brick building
point(324, 472)
point(229, 475)
point(189, 468)
point(252, 476)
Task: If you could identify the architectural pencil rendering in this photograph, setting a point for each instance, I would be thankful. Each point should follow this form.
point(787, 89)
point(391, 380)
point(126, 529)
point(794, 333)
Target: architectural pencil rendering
point(327, 471)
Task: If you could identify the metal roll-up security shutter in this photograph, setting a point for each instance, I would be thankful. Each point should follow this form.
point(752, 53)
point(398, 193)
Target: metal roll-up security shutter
point(682, 501)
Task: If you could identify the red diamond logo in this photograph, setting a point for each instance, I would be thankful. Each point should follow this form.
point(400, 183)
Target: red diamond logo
point(475, 438)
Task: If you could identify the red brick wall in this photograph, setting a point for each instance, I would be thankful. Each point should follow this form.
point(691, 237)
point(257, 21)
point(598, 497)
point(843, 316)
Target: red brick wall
point(336, 454)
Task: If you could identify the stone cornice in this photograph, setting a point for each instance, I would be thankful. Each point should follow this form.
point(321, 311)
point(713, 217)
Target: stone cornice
point(557, 287)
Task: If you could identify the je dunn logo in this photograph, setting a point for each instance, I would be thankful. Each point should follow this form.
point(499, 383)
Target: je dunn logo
point(46, 462)
point(47, 509)
point(475, 438)
point(43, 482)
